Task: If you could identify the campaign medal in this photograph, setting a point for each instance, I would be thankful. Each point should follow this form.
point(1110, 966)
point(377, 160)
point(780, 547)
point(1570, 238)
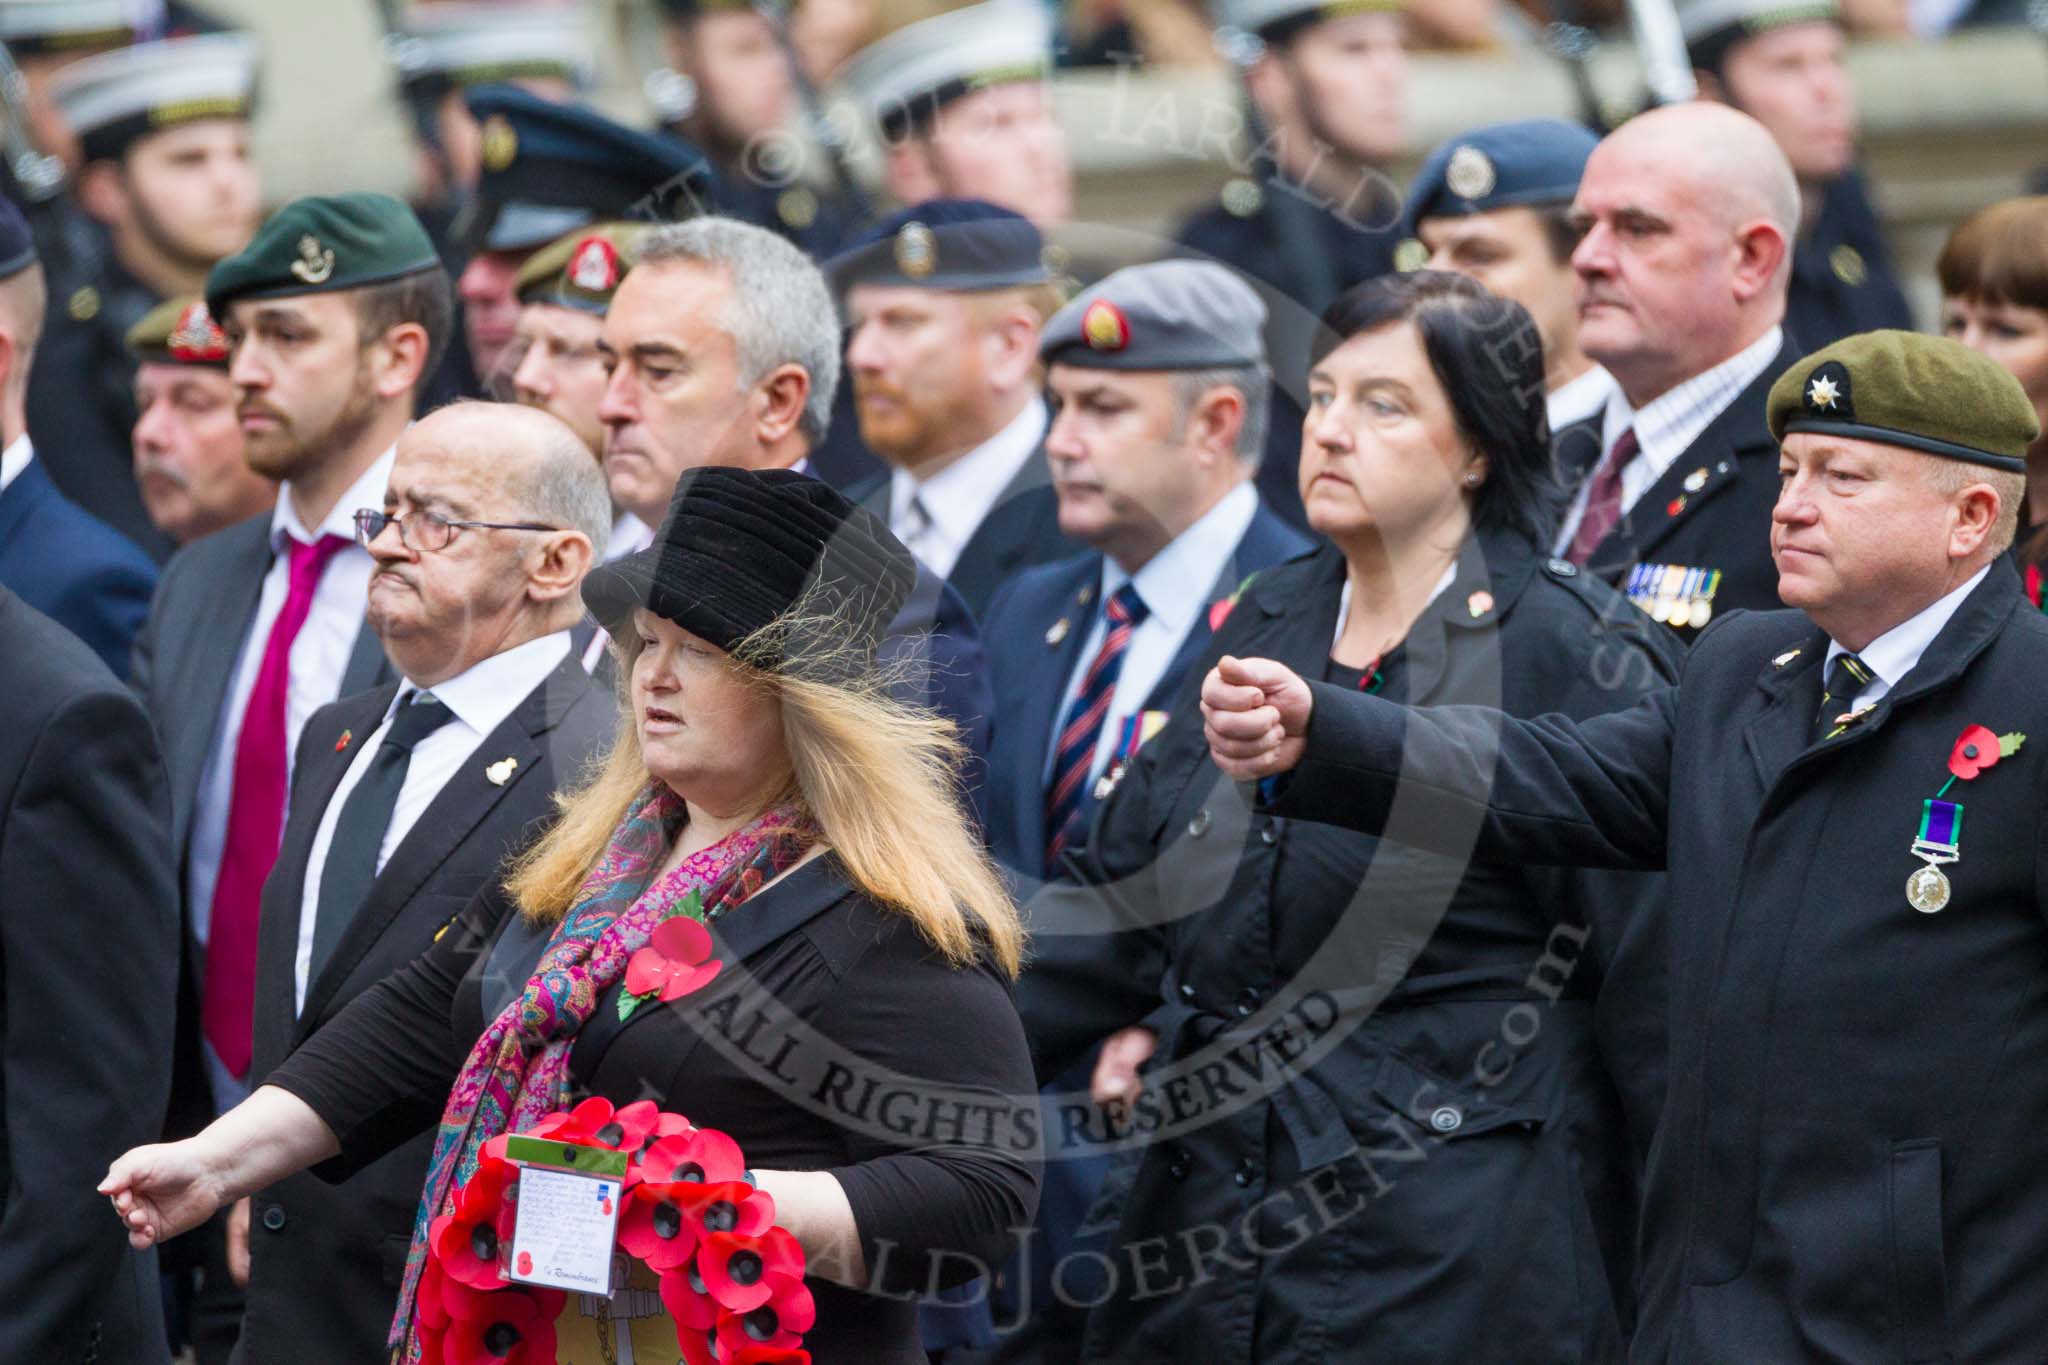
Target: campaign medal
point(1940, 837)
point(1939, 841)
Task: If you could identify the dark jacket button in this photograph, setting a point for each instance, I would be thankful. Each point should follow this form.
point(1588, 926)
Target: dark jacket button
point(1244, 1173)
point(1247, 1002)
point(273, 1217)
point(1187, 992)
point(1199, 825)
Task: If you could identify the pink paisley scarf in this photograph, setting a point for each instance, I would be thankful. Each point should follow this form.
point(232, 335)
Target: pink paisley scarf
point(518, 1072)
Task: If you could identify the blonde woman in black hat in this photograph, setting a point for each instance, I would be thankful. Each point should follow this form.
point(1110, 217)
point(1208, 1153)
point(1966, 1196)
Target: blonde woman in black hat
point(760, 769)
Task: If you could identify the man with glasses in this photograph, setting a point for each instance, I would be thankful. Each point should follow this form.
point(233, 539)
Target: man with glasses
point(335, 313)
point(409, 800)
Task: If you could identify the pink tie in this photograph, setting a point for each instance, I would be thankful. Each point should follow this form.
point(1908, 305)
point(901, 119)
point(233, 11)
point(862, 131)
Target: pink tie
point(255, 820)
point(1603, 499)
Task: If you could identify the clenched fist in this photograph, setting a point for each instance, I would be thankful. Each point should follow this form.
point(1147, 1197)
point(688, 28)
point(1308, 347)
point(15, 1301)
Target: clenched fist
point(1254, 714)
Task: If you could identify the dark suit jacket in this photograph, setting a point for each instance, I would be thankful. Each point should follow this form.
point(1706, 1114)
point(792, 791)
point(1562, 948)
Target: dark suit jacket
point(183, 666)
point(88, 971)
point(1031, 672)
point(327, 1260)
point(1854, 1157)
point(1022, 529)
point(73, 567)
point(1723, 524)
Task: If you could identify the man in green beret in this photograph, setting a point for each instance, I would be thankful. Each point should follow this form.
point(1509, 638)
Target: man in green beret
point(1853, 1160)
point(188, 436)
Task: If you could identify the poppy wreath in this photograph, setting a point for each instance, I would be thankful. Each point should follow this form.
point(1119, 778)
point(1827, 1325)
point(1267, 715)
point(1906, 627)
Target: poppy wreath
point(730, 1278)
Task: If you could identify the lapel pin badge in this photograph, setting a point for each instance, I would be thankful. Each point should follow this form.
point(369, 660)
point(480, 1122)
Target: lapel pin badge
point(1696, 480)
point(501, 772)
point(1057, 632)
point(342, 743)
point(1787, 657)
point(1479, 603)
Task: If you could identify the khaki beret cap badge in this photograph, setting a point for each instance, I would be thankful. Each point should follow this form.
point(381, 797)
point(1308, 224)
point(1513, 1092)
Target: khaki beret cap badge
point(195, 338)
point(594, 268)
point(1827, 391)
point(500, 144)
point(315, 262)
point(1104, 327)
point(917, 250)
point(1469, 174)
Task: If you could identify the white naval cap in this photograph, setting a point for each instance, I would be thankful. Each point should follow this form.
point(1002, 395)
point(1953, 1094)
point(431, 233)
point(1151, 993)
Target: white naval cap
point(460, 44)
point(111, 99)
point(55, 25)
point(1274, 20)
point(901, 79)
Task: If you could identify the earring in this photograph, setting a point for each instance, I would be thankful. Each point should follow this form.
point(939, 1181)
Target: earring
point(1471, 480)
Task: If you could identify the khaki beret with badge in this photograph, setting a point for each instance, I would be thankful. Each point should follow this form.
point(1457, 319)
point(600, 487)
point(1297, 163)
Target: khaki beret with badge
point(1923, 393)
point(179, 331)
point(582, 269)
point(323, 243)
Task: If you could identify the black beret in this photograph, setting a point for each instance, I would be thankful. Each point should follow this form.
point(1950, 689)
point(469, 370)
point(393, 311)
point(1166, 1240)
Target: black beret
point(740, 549)
point(321, 243)
point(958, 244)
point(1924, 393)
point(549, 168)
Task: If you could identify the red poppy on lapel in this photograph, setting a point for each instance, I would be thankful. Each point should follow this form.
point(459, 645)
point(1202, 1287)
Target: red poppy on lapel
point(676, 961)
point(1977, 748)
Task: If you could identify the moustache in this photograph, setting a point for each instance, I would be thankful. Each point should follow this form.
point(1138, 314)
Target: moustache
point(147, 468)
point(864, 389)
point(252, 408)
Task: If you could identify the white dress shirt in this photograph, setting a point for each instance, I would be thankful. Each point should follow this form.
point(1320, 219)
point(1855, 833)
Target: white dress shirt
point(629, 534)
point(958, 498)
point(1668, 424)
point(1577, 399)
point(1176, 586)
point(14, 459)
point(319, 657)
point(481, 699)
point(1891, 656)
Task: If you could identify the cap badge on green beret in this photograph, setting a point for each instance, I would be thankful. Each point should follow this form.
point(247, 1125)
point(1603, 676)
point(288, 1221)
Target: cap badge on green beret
point(1104, 327)
point(1469, 174)
point(594, 266)
point(315, 262)
point(1827, 392)
point(500, 144)
point(917, 250)
point(1411, 255)
point(195, 338)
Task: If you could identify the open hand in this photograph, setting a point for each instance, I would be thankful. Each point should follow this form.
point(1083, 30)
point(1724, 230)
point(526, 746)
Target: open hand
point(1254, 714)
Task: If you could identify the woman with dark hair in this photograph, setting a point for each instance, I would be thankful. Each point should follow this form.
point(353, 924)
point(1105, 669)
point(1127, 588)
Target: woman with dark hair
point(1994, 299)
point(1379, 1125)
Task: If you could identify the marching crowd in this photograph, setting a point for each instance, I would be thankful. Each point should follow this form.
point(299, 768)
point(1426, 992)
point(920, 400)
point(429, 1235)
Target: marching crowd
point(1386, 785)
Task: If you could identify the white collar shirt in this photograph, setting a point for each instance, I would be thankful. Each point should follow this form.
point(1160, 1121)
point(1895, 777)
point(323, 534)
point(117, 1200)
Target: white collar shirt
point(1176, 585)
point(1577, 399)
point(319, 658)
point(481, 699)
point(629, 534)
point(960, 497)
point(15, 459)
point(1892, 655)
point(1668, 424)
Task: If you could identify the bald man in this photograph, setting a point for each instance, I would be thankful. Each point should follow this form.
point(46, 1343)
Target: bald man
point(1685, 216)
point(407, 801)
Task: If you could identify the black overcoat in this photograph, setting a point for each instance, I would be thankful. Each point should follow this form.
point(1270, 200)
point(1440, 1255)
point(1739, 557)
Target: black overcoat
point(1853, 1162)
point(1380, 1125)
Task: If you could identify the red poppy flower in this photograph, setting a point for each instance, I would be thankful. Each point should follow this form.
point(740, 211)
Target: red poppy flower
point(676, 960)
point(430, 1339)
point(687, 1301)
point(656, 1226)
point(770, 1355)
point(580, 1124)
point(517, 1328)
point(731, 1206)
point(428, 1309)
point(703, 1154)
point(1219, 612)
point(780, 1322)
point(1976, 749)
point(699, 1346)
point(665, 1126)
point(736, 1270)
point(470, 1247)
point(490, 1193)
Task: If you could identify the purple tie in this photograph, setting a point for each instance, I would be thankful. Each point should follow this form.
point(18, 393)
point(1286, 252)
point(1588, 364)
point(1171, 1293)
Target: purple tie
point(255, 820)
point(1603, 499)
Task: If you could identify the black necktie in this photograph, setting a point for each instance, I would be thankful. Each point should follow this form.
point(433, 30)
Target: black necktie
point(359, 832)
point(1846, 676)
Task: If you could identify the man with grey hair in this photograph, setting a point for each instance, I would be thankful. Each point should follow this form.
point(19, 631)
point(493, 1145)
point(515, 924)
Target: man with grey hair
point(1159, 388)
point(408, 801)
point(1686, 217)
point(722, 348)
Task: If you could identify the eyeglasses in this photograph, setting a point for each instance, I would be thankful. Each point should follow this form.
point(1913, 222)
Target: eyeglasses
point(427, 532)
